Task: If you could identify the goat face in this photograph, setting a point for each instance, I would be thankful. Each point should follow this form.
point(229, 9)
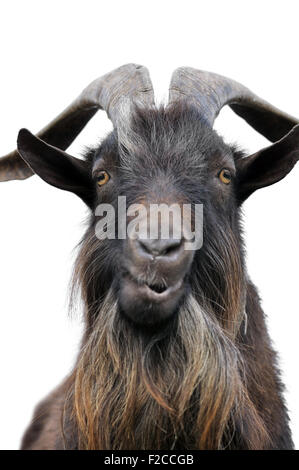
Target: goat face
point(174, 160)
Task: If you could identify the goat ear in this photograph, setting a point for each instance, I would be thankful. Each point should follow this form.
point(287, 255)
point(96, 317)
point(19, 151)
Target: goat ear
point(267, 166)
point(55, 166)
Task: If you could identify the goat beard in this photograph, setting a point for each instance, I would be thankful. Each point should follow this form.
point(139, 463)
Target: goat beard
point(181, 388)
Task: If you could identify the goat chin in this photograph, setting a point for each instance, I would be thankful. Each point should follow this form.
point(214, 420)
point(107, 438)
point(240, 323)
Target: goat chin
point(135, 390)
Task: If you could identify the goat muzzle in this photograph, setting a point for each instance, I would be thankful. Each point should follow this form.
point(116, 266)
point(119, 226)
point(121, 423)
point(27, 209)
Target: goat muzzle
point(154, 278)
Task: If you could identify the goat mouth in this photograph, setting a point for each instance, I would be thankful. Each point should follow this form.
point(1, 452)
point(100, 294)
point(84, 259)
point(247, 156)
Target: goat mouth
point(148, 302)
point(158, 288)
point(153, 291)
point(159, 293)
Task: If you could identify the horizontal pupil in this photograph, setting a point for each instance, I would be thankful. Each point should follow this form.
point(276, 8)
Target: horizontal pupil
point(101, 177)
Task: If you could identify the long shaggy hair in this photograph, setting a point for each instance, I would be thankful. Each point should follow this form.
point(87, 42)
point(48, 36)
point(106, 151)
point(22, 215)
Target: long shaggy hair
point(203, 379)
point(181, 387)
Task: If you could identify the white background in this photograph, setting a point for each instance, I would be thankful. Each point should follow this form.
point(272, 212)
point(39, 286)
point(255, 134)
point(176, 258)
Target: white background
point(50, 51)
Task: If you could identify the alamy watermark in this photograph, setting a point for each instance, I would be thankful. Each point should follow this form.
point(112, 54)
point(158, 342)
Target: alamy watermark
point(154, 221)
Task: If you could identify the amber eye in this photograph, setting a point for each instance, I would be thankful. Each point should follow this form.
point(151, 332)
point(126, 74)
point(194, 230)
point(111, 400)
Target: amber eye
point(225, 176)
point(103, 178)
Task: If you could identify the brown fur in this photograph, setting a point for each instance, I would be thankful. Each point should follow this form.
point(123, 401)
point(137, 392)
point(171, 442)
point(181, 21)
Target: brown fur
point(133, 391)
point(201, 381)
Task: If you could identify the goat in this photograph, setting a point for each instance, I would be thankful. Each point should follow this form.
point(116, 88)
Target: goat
point(175, 352)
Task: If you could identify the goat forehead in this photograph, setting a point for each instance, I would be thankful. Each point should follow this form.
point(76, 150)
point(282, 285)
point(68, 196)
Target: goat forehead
point(177, 141)
point(175, 162)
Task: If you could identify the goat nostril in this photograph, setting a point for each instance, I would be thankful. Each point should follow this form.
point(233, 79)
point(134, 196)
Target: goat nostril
point(159, 247)
point(171, 249)
point(145, 246)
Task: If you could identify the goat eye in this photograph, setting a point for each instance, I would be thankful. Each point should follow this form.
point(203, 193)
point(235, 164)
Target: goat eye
point(225, 176)
point(102, 178)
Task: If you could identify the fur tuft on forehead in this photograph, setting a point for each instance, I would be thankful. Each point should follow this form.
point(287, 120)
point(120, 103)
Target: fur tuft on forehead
point(164, 137)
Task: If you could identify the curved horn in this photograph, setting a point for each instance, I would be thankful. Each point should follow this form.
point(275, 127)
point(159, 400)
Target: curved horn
point(114, 93)
point(210, 92)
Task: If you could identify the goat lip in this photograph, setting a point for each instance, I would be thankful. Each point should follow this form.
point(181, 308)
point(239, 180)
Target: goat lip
point(147, 290)
point(152, 295)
